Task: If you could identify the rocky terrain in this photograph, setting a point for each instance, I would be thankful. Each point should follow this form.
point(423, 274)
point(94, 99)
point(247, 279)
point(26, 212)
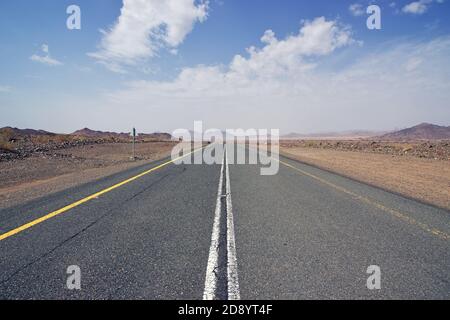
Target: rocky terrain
point(424, 131)
point(421, 178)
point(438, 150)
point(413, 162)
point(345, 135)
point(46, 172)
point(18, 144)
point(121, 137)
point(421, 132)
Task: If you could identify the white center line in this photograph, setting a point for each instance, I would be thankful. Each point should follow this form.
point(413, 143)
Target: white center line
point(233, 281)
point(217, 275)
point(213, 260)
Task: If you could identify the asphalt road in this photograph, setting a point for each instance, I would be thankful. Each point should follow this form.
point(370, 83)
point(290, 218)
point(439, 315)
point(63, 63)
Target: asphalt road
point(225, 232)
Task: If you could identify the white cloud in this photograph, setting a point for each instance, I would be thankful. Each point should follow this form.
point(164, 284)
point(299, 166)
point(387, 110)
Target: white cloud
point(44, 48)
point(283, 85)
point(45, 58)
point(146, 26)
point(5, 89)
point(413, 63)
point(417, 7)
point(356, 9)
point(277, 59)
point(393, 5)
point(280, 57)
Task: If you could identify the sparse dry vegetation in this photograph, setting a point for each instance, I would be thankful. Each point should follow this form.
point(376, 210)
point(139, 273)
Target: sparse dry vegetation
point(5, 140)
point(35, 163)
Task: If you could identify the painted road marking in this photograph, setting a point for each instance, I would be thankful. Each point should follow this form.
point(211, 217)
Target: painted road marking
point(232, 270)
point(216, 273)
point(395, 213)
point(87, 199)
point(213, 259)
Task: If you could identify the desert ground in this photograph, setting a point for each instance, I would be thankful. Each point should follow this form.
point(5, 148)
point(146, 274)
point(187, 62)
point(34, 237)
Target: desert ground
point(41, 173)
point(419, 170)
point(35, 163)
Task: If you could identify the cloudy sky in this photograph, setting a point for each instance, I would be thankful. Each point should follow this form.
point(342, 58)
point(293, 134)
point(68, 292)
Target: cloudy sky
point(296, 65)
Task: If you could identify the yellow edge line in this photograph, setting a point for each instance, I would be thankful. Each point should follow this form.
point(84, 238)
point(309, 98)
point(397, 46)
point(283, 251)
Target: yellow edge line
point(378, 205)
point(93, 196)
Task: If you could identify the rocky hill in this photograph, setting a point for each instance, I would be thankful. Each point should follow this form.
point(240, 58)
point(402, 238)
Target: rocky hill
point(21, 143)
point(424, 131)
point(86, 132)
point(354, 134)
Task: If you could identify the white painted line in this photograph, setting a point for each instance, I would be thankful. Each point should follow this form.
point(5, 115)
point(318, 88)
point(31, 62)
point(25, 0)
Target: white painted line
point(232, 273)
point(213, 260)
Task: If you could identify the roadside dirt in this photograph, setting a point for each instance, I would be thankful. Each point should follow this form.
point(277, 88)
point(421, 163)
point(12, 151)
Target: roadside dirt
point(421, 178)
point(22, 180)
point(437, 150)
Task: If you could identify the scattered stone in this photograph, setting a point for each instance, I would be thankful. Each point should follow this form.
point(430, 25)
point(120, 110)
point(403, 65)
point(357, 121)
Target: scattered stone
point(428, 150)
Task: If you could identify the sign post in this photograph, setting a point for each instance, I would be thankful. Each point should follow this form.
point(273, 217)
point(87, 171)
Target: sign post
point(134, 142)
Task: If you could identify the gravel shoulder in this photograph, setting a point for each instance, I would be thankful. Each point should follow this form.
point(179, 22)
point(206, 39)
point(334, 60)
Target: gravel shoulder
point(26, 179)
point(424, 179)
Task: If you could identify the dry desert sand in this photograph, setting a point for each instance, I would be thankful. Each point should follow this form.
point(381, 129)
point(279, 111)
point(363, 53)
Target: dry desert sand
point(424, 179)
point(36, 176)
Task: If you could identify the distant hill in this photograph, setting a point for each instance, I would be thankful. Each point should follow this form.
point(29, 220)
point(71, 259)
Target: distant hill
point(10, 135)
point(156, 136)
point(354, 134)
point(86, 132)
point(424, 131)
point(15, 132)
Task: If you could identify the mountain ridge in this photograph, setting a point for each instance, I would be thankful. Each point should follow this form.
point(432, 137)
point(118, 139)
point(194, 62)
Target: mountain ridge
point(13, 132)
point(423, 131)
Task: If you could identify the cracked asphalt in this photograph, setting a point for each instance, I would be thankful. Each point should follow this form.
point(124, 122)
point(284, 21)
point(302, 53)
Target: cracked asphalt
point(298, 236)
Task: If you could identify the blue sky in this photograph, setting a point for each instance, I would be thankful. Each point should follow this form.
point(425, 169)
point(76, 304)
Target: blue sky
point(190, 61)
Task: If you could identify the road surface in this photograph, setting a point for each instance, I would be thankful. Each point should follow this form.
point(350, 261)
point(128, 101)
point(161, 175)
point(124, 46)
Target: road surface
point(224, 231)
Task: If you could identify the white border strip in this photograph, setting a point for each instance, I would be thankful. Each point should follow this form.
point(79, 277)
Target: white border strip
point(232, 269)
point(213, 260)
